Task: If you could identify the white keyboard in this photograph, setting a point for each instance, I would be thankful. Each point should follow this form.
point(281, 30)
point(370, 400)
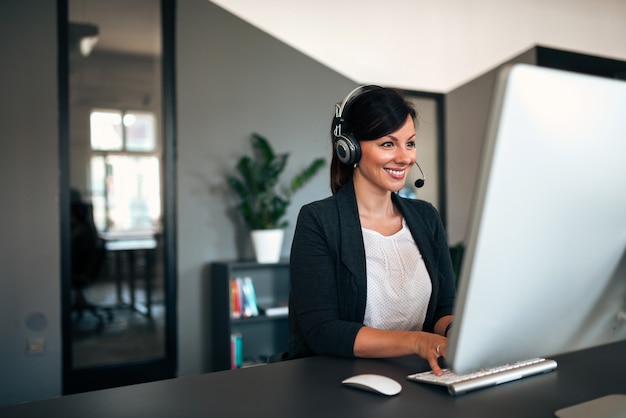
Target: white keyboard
point(465, 382)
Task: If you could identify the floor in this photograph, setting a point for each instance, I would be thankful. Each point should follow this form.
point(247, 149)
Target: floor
point(124, 334)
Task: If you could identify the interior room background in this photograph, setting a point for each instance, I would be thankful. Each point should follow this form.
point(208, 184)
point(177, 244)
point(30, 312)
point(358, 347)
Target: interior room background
point(231, 79)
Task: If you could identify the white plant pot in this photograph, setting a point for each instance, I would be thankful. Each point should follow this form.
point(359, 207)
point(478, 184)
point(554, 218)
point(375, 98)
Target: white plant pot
point(267, 244)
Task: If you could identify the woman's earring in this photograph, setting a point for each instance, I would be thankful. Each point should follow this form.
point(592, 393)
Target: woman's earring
point(355, 165)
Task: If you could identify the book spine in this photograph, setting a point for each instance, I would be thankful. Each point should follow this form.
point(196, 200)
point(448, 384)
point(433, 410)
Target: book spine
point(235, 299)
point(250, 305)
point(236, 350)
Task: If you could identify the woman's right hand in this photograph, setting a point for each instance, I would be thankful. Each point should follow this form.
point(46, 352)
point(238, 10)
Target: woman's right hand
point(377, 343)
point(430, 347)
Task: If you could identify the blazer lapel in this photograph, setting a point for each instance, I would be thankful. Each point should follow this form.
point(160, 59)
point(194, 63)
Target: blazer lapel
point(352, 247)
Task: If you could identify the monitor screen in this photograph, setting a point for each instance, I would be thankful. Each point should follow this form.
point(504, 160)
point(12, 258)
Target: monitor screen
point(545, 262)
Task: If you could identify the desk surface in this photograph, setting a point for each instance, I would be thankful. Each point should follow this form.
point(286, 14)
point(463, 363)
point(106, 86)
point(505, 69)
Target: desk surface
point(311, 388)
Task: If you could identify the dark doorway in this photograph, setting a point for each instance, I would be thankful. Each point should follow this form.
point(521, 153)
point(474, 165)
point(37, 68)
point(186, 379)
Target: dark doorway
point(117, 161)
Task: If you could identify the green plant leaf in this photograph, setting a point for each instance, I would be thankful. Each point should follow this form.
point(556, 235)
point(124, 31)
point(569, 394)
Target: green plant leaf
point(306, 175)
point(262, 147)
point(262, 202)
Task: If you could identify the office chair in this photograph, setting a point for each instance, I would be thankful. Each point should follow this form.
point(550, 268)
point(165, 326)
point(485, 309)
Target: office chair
point(88, 255)
point(278, 357)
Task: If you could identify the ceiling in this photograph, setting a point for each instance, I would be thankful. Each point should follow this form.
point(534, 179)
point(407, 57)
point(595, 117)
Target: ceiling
point(434, 45)
point(125, 26)
point(423, 45)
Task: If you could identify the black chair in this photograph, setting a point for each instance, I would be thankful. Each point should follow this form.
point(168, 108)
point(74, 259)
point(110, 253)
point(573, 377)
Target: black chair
point(88, 256)
point(278, 357)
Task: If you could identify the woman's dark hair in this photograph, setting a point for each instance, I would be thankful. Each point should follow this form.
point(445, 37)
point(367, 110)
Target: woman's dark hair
point(368, 116)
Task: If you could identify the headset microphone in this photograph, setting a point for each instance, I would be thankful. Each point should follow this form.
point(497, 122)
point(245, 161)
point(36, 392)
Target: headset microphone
point(420, 182)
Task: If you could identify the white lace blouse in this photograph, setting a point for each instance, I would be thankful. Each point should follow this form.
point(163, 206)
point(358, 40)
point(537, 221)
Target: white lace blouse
point(398, 284)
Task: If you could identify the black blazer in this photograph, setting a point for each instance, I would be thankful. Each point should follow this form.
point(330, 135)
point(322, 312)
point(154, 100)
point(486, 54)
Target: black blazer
point(328, 277)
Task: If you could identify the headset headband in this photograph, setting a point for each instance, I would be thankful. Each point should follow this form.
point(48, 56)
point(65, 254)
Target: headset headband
point(341, 108)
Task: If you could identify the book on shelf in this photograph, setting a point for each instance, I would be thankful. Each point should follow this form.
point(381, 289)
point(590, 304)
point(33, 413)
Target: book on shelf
point(250, 307)
point(236, 350)
point(278, 310)
point(235, 300)
point(242, 298)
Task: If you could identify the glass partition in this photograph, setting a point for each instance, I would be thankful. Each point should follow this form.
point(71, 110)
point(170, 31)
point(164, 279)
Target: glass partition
point(120, 323)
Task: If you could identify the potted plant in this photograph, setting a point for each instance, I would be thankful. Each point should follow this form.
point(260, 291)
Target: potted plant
point(263, 201)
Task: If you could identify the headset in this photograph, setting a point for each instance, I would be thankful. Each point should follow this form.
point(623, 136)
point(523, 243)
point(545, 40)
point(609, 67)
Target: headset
point(347, 146)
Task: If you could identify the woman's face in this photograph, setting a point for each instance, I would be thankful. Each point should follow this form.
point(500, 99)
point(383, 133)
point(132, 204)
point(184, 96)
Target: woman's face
point(385, 162)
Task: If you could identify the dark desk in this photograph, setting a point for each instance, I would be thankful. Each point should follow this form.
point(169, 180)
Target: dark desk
point(126, 247)
point(311, 388)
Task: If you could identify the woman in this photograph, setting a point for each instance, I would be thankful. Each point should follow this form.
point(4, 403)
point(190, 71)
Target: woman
point(371, 274)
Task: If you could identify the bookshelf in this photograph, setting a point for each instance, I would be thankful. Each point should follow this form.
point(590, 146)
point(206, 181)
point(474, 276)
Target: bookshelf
point(260, 336)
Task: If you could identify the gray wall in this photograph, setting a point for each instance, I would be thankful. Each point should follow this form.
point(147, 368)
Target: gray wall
point(29, 208)
point(232, 80)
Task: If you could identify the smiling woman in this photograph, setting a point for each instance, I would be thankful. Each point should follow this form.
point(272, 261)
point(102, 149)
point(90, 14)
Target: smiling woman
point(371, 274)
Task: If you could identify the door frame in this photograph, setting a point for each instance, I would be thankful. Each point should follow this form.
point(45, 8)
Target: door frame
point(127, 373)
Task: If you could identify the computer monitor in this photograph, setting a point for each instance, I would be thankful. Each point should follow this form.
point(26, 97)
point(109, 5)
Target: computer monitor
point(545, 261)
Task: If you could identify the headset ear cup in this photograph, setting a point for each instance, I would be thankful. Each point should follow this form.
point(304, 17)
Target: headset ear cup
point(348, 149)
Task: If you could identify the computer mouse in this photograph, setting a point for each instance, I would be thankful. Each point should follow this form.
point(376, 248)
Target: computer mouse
point(374, 383)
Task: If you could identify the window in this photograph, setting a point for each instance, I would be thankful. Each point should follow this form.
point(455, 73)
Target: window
point(125, 170)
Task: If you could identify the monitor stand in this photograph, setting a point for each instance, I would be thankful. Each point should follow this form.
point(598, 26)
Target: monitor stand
point(610, 406)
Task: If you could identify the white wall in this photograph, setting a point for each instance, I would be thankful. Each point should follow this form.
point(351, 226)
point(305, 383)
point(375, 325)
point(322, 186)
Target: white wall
point(30, 280)
point(435, 45)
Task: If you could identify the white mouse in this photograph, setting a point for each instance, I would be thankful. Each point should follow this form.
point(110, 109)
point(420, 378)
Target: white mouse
point(374, 383)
